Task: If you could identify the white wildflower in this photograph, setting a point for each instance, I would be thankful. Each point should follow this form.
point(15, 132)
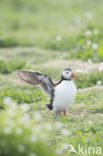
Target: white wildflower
point(9, 101)
point(101, 68)
point(79, 89)
point(96, 31)
point(27, 117)
point(65, 146)
point(58, 38)
point(33, 138)
point(32, 154)
point(7, 130)
point(101, 63)
point(77, 20)
point(58, 125)
point(89, 15)
point(88, 33)
point(25, 120)
point(25, 107)
point(37, 116)
point(10, 122)
point(48, 126)
point(99, 82)
point(90, 122)
point(65, 132)
point(21, 148)
point(58, 137)
point(94, 46)
point(81, 71)
point(90, 61)
point(11, 112)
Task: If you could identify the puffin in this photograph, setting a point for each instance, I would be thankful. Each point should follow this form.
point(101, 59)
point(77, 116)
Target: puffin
point(62, 94)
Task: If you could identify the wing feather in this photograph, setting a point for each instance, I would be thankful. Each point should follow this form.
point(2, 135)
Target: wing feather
point(35, 78)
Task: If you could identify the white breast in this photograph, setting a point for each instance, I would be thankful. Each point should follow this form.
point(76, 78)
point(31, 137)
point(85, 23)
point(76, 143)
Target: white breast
point(64, 95)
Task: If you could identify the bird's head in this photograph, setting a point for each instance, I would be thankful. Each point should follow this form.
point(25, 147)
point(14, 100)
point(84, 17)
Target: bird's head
point(67, 74)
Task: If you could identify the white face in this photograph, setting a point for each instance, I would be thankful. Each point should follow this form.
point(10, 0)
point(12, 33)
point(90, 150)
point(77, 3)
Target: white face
point(67, 74)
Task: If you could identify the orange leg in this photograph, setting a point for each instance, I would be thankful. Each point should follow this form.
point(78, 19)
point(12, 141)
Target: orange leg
point(65, 113)
point(59, 113)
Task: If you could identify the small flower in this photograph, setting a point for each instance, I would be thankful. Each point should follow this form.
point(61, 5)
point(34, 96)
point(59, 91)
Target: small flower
point(21, 148)
point(90, 61)
point(25, 107)
point(37, 116)
point(33, 138)
point(99, 82)
point(88, 33)
point(89, 15)
point(32, 154)
point(65, 146)
point(90, 122)
point(12, 123)
point(65, 132)
point(101, 68)
point(11, 112)
point(77, 20)
point(24, 120)
point(82, 71)
point(101, 63)
point(58, 38)
point(79, 71)
point(9, 101)
point(96, 31)
point(48, 127)
point(94, 46)
point(58, 125)
point(7, 130)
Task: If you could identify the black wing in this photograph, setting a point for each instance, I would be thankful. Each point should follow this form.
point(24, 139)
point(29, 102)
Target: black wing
point(35, 78)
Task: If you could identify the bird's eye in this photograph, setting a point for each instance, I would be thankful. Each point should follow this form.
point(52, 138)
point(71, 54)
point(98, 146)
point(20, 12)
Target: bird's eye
point(67, 72)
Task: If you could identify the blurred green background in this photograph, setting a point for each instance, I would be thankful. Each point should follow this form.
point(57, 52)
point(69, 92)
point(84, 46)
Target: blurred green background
point(64, 25)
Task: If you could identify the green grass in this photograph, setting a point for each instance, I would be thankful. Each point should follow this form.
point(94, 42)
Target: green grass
point(83, 126)
point(56, 25)
point(6, 67)
point(85, 112)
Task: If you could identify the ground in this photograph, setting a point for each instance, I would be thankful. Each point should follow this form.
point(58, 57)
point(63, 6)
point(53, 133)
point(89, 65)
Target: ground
point(48, 36)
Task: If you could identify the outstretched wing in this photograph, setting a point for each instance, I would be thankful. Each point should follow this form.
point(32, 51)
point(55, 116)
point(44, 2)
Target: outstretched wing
point(35, 78)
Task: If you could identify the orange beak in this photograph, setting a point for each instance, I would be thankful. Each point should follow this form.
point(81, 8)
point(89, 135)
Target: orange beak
point(73, 75)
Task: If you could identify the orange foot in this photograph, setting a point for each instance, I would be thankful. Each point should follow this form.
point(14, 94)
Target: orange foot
point(59, 113)
point(66, 114)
